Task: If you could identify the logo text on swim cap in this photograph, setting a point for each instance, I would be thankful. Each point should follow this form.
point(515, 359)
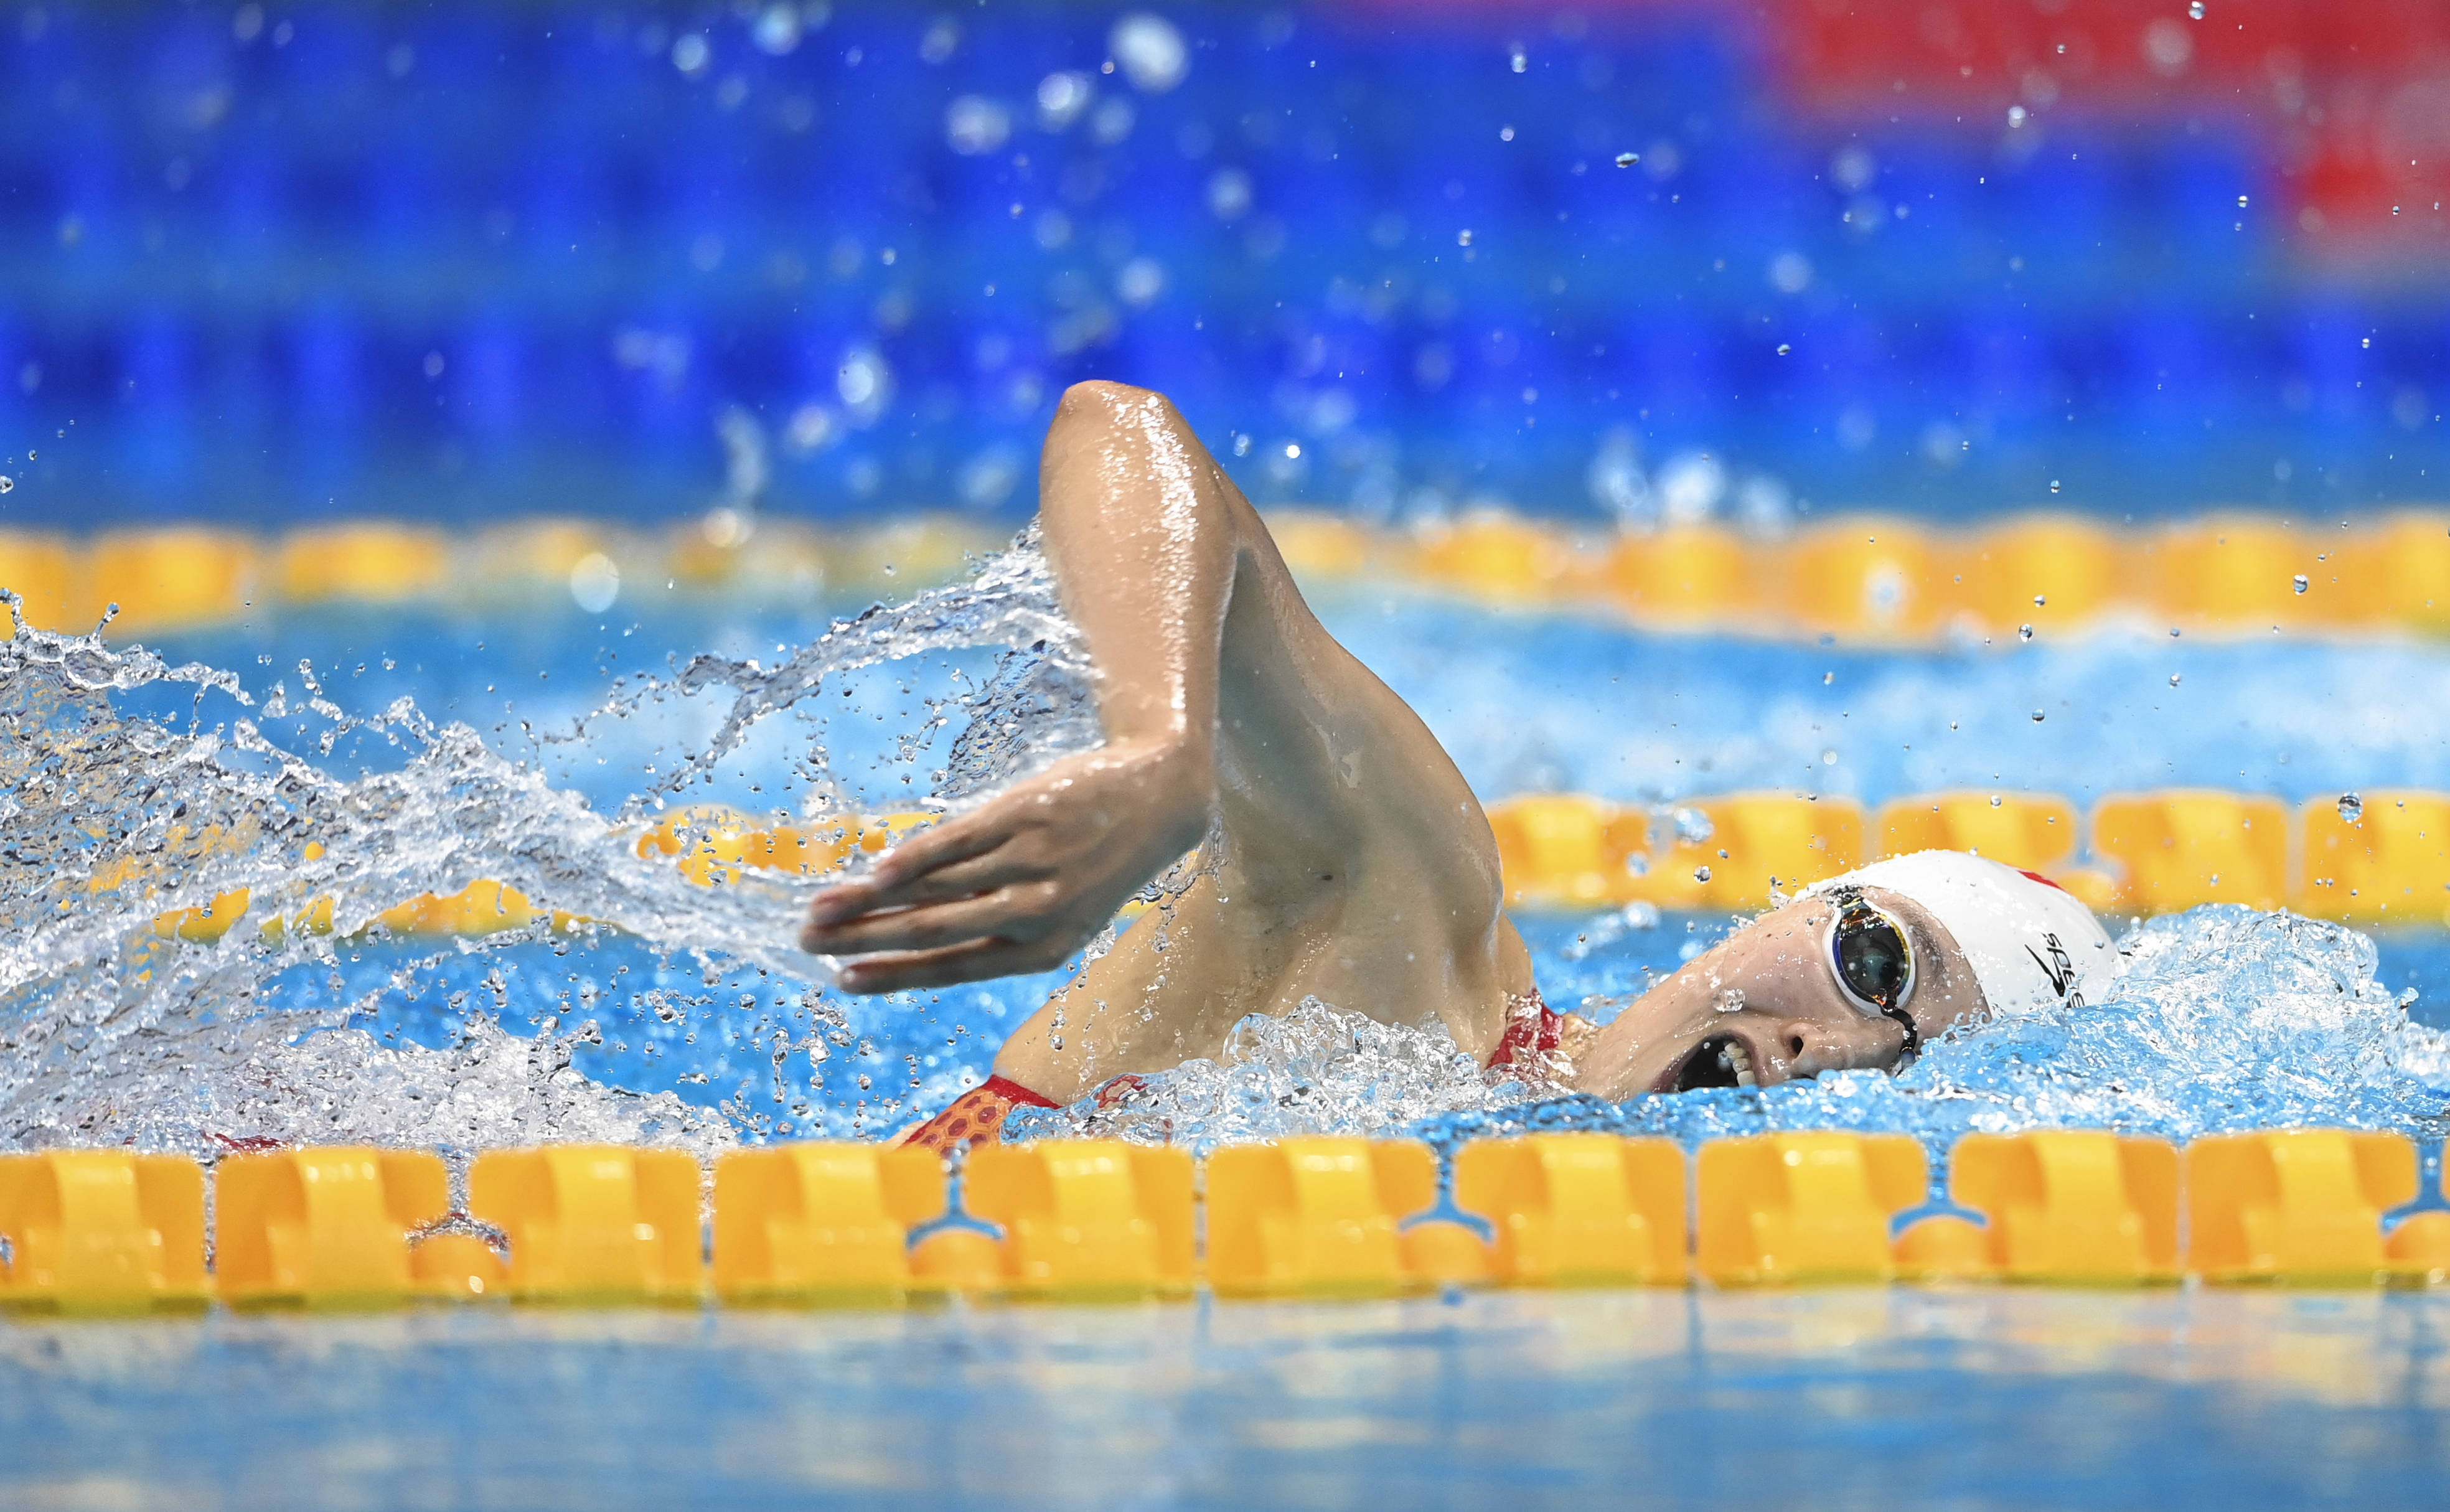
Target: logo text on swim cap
point(2060, 969)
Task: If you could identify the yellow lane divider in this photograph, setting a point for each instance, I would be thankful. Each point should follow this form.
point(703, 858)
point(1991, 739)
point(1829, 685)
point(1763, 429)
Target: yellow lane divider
point(1864, 578)
point(711, 846)
point(1876, 579)
point(191, 576)
point(109, 1231)
point(2153, 853)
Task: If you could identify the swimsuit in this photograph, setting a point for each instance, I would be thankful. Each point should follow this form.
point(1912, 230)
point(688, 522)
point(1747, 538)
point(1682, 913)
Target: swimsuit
point(1529, 1027)
point(976, 1116)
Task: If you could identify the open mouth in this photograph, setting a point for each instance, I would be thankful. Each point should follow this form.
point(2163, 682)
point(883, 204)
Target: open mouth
point(1721, 1060)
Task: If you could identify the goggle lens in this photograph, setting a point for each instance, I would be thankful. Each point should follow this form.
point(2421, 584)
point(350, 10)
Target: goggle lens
point(1873, 958)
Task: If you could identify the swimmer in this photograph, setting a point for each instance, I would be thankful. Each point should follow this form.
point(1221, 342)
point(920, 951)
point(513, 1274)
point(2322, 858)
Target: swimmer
point(1342, 857)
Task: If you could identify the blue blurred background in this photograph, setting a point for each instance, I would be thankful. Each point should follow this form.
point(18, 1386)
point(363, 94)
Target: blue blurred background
point(274, 264)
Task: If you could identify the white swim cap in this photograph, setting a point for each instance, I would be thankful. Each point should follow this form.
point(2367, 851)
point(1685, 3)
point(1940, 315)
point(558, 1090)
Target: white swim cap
point(2030, 943)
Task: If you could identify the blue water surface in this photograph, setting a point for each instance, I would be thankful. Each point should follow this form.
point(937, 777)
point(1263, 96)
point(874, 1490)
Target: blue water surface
point(2161, 1401)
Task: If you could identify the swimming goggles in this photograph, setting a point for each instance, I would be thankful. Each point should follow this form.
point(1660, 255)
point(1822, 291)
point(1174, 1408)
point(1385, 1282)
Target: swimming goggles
point(1873, 958)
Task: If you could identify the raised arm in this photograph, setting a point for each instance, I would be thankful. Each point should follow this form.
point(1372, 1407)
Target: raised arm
point(1144, 550)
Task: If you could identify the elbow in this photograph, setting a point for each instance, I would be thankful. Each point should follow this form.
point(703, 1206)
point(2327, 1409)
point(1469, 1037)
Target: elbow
point(1100, 397)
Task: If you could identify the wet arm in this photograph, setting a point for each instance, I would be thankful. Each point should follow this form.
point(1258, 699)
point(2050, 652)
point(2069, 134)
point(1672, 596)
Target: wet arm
point(1144, 552)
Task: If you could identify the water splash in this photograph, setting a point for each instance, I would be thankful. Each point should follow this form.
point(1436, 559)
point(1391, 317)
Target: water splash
point(133, 790)
point(1312, 1070)
point(2222, 1019)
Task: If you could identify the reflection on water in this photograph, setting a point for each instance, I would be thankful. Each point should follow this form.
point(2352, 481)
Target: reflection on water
point(2156, 1399)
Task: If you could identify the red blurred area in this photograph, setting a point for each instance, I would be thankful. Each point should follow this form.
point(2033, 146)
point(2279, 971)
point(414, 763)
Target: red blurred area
point(2352, 95)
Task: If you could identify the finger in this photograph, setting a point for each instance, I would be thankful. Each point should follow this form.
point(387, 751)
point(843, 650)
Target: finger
point(923, 850)
point(1000, 914)
point(842, 900)
point(975, 960)
point(902, 876)
point(971, 878)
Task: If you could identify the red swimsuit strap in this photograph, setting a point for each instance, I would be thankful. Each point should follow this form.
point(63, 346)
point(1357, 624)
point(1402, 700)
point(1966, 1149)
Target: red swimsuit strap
point(1529, 1027)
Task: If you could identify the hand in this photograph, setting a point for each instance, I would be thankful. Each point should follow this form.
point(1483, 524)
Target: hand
point(1021, 882)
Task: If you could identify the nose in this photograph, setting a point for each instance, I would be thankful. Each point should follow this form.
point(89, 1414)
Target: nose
point(1807, 1047)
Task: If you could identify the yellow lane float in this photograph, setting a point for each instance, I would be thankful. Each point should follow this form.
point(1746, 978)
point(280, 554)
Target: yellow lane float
point(594, 1223)
point(42, 571)
point(102, 1231)
point(364, 562)
point(841, 1224)
point(327, 1226)
point(2072, 1206)
point(170, 579)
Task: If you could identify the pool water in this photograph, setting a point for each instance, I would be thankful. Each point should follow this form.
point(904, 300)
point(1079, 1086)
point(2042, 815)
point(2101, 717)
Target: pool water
point(696, 1021)
point(2160, 1400)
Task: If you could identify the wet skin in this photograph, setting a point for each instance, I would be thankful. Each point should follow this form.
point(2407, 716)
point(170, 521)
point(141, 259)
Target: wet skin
point(1340, 854)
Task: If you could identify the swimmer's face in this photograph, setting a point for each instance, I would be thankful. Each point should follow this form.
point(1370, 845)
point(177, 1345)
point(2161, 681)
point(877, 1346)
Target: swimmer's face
point(1763, 1007)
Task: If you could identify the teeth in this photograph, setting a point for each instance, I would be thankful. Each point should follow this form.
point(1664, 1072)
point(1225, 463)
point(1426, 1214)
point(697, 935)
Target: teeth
point(1736, 1058)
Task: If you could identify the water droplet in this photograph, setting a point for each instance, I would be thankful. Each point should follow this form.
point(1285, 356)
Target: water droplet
point(1463, 238)
point(1827, 678)
point(1784, 349)
point(1518, 59)
point(2039, 600)
point(1701, 874)
point(1994, 799)
point(2352, 808)
point(2241, 202)
point(1729, 1000)
point(1627, 159)
point(1693, 825)
point(2054, 485)
point(2174, 679)
point(7, 483)
point(2024, 632)
point(2038, 716)
point(2302, 584)
point(2173, 632)
point(1637, 865)
point(2195, 10)
point(1829, 758)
